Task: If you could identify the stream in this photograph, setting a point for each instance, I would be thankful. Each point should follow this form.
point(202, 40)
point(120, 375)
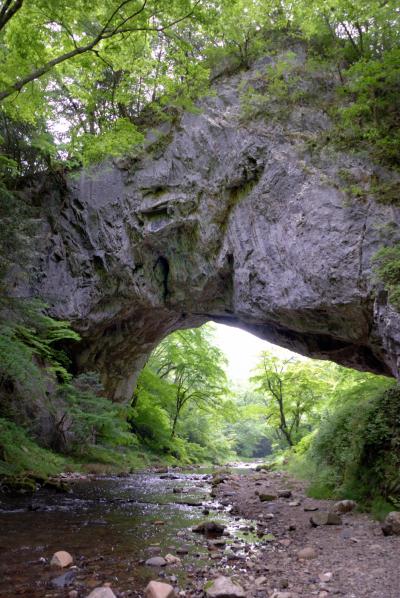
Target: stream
point(111, 526)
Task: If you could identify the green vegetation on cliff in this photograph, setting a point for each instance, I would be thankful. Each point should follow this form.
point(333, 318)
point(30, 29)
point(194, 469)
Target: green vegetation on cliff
point(79, 82)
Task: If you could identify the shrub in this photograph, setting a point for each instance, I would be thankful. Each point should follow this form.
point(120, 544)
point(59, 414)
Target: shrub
point(387, 269)
point(356, 451)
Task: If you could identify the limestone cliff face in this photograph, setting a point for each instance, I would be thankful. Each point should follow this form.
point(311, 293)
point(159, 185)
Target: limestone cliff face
point(220, 219)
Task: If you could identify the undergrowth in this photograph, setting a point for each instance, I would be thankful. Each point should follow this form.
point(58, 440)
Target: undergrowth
point(387, 270)
point(21, 457)
point(355, 453)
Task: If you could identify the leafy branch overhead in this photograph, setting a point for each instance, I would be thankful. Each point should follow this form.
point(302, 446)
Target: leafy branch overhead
point(87, 78)
point(125, 18)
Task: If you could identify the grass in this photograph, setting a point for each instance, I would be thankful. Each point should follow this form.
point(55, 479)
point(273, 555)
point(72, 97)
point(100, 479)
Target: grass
point(321, 486)
point(21, 456)
point(23, 462)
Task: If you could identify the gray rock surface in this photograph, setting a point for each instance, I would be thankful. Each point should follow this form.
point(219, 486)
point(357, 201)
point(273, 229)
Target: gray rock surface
point(224, 587)
point(103, 592)
point(391, 524)
point(156, 561)
point(157, 589)
point(224, 219)
point(325, 518)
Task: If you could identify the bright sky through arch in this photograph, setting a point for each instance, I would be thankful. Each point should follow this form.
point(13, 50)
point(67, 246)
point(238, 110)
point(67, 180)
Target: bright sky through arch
point(242, 350)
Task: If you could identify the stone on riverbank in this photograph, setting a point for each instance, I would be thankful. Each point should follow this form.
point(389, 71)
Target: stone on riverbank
point(344, 506)
point(103, 592)
point(267, 497)
point(64, 580)
point(285, 494)
point(224, 587)
point(210, 527)
point(156, 561)
point(61, 559)
point(306, 553)
point(391, 525)
point(157, 589)
point(325, 518)
point(172, 560)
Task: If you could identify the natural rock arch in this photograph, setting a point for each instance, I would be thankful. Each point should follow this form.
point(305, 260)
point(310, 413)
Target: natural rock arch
point(223, 220)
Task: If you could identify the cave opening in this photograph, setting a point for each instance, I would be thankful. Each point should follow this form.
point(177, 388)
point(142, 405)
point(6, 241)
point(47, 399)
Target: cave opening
point(221, 392)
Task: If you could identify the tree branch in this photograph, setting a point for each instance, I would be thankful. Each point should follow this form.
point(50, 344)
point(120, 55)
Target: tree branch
point(9, 9)
point(105, 33)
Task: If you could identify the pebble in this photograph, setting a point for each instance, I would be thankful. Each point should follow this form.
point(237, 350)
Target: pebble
point(209, 527)
point(308, 552)
point(172, 560)
point(224, 587)
point(154, 549)
point(324, 577)
point(61, 559)
point(391, 525)
point(285, 494)
point(267, 497)
point(157, 589)
point(325, 518)
point(156, 561)
point(102, 592)
point(66, 579)
point(344, 506)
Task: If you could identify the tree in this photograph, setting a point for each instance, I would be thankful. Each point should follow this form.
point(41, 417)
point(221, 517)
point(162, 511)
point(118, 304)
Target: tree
point(194, 369)
point(93, 67)
point(291, 389)
point(73, 31)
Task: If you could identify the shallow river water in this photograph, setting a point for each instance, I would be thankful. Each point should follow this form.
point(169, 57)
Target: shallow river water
point(110, 525)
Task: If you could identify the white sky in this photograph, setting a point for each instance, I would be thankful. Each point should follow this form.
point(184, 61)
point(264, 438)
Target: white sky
point(242, 350)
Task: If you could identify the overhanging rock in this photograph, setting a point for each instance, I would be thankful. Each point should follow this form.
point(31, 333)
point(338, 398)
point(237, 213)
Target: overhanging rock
point(220, 219)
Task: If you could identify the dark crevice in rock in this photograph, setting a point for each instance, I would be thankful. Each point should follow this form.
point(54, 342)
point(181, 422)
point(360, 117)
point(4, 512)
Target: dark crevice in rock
point(161, 271)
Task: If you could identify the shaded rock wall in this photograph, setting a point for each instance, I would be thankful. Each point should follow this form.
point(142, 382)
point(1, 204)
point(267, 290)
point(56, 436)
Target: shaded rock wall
point(220, 219)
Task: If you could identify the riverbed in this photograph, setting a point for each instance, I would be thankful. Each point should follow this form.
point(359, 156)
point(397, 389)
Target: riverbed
point(111, 526)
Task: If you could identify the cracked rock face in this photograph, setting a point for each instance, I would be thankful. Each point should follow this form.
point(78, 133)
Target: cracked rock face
point(220, 219)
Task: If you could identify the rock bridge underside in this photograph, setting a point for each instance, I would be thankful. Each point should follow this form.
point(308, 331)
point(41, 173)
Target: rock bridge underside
point(217, 219)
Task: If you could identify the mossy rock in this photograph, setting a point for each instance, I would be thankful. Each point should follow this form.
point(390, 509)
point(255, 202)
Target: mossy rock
point(18, 485)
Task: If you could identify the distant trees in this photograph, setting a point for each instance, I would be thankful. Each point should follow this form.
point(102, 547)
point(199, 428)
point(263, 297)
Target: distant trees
point(182, 399)
point(291, 391)
point(194, 369)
